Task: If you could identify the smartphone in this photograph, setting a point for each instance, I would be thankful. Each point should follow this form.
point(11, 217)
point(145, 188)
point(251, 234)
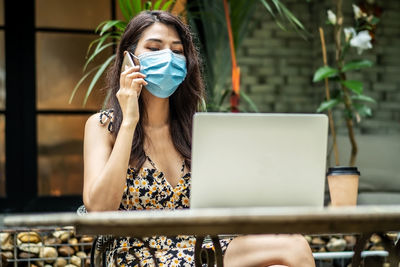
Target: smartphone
point(127, 62)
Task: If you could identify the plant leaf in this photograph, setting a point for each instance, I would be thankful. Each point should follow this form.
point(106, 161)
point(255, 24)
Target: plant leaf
point(355, 86)
point(268, 7)
point(100, 39)
point(223, 96)
point(121, 26)
point(124, 9)
point(95, 53)
point(108, 36)
point(96, 77)
point(167, 5)
point(277, 6)
point(108, 25)
point(203, 105)
point(363, 110)
point(100, 25)
point(137, 7)
point(114, 39)
point(375, 20)
point(289, 15)
point(129, 8)
point(80, 83)
point(357, 64)
point(148, 5)
point(324, 72)
point(363, 98)
point(249, 101)
point(157, 5)
point(328, 104)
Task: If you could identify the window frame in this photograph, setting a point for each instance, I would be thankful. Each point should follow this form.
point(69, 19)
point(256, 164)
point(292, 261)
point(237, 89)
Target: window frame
point(21, 166)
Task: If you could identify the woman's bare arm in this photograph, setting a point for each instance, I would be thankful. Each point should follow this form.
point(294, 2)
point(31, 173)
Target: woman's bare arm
point(105, 161)
point(105, 164)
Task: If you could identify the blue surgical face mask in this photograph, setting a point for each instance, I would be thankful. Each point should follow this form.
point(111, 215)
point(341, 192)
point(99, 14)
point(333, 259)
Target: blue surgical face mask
point(164, 70)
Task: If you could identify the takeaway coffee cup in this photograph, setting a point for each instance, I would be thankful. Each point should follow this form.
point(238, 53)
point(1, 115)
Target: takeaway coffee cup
point(343, 185)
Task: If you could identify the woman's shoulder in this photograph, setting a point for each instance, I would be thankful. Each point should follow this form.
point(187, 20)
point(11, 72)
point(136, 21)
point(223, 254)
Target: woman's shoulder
point(100, 123)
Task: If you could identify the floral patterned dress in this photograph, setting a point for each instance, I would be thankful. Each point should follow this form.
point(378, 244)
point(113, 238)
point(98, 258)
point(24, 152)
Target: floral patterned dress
point(147, 189)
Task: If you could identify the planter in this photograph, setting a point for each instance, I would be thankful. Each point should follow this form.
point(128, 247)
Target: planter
point(343, 185)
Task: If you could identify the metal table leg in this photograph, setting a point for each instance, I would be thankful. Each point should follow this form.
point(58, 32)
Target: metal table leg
point(211, 256)
point(358, 248)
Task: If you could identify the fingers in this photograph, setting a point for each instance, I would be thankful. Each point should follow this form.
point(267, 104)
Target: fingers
point(138, 81)
point(130, 70)
point(132, 78)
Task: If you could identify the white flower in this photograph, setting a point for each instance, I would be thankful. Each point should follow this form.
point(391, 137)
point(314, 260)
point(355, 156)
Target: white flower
point(331, 17)
point(349, 32)
point(361, 41)
point(357, 12)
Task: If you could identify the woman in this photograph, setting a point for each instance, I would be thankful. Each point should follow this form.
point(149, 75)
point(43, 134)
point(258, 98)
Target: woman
point(137, 153)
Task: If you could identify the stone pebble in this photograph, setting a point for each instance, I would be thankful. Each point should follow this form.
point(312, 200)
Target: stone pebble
point(60, 248)
point(325, 243)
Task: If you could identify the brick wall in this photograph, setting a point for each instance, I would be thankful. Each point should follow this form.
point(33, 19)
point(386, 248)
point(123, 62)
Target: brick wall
point(277, 66)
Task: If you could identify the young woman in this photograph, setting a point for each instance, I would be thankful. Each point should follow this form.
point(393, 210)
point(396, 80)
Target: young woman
point(137, 152)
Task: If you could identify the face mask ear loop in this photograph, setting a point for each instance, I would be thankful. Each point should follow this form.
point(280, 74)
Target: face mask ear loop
point(134, 56)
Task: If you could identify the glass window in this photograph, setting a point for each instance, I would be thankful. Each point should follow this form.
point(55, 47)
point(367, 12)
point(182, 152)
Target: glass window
point(75, 14)
point(2, 156)
point(1, 12)
point(60, 154)
point(2, 73)
point(2, 107)
point(60, 60)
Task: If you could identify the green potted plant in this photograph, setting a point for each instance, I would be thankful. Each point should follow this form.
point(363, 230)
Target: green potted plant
point(349, 96)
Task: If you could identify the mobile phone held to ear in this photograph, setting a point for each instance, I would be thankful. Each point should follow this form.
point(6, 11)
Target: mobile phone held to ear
point(127, 62)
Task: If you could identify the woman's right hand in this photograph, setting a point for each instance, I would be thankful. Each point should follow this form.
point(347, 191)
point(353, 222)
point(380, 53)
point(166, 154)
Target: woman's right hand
point(131, 83)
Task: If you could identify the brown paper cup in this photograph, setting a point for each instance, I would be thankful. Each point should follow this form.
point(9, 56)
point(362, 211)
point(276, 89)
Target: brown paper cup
point(343, 185)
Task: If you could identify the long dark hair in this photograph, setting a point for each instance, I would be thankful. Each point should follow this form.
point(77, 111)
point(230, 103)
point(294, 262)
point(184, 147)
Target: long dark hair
point(183, 103)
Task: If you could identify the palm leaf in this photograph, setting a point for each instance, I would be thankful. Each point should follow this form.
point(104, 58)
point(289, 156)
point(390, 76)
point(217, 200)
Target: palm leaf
point(268, 7)
point(168, 5)
point(240, 13)
point(124, 9)
point(284, 13)
point(157, 4)
point(137, 7)
point(278, 7)
point(223, 96)
point(109, 24)
point(130, 8)
point(97, 76)
point(101, 24)
point(216, 57)
point(246, 97)
point(95, 53)
point(292, 18)
point(102, 39)
point(80, 83)
point(148, 5)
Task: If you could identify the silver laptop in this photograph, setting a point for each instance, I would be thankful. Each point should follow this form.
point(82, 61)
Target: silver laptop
point(258, 160)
